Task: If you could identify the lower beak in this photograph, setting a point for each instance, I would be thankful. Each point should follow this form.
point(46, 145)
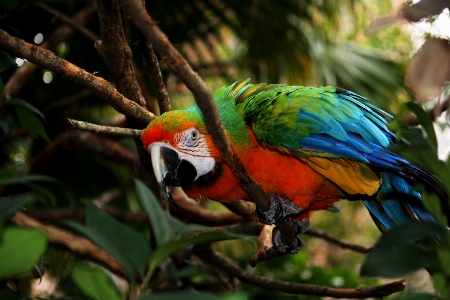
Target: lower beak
point(170, 170)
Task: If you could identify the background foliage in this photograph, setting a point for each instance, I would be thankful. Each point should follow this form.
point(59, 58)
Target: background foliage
point(47, 171)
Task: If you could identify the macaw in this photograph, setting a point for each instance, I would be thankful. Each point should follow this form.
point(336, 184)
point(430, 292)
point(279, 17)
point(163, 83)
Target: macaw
point(307, 147)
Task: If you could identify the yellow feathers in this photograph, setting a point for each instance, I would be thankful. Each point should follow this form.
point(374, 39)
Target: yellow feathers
point(352, 177)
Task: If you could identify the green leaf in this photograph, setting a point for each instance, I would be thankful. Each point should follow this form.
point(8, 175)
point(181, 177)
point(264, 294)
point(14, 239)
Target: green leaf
point(129, 248)
point(4, 125)
point(10, 204)
point(166, 249)
point(95, 283)
point(31, 122)
point(157, 217)
point(193, 295)
point(25, 179)
point(401, 250)
point(133, 245)
point(425, 121)
point(98, 239)
point(27, 105)
point(163, 225)
point(2, 88)
point(418, 296)
point(20, 249)
point(6, 61)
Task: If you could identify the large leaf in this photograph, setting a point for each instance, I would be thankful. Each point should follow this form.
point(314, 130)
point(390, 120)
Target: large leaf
point(31, 122)
point(95, 283)
point(402, 250)
point(425, 121)
point(163, 225)
point(193, 295)
point(6, 61)
point(27, 105)
point(25, 179)
point(2, 87)
point(424, 9)
point(129, 248)
point(20, 249)
point(10, 204)
point(132, 244)
point(166, 249)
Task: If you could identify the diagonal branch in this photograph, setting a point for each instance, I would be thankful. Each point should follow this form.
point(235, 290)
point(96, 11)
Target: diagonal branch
point(100, 86)
point(231, 267)
point(76, 244)
point(73, 23)
point(207, 105)
point(85, 126)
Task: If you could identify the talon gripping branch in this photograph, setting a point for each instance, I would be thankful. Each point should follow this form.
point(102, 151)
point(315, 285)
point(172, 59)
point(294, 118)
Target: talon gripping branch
point(307, 147)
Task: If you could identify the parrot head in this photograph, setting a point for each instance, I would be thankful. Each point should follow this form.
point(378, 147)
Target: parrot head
point(181, 149)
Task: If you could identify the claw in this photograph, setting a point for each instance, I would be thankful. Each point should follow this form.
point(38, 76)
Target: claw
point(281, 209)
point(281, 247)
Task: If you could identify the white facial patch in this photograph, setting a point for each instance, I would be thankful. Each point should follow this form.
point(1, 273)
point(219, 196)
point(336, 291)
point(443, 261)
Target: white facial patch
point(203, 165)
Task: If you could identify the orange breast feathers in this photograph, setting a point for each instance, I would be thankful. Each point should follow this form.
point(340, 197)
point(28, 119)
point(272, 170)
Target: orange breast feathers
point(276, 172)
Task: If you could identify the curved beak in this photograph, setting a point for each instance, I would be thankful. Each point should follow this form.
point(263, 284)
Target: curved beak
point(171, 169)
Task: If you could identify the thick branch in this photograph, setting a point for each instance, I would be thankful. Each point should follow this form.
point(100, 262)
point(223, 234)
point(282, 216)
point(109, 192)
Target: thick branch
point(75, 124)
point(76, 244)
point(115, 52)
point(226, 264)
point(100, 86)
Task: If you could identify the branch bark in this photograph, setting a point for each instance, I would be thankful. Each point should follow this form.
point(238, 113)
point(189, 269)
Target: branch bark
point(76, 244)
point(231, 267)
point(98, 85)
point(94, 128)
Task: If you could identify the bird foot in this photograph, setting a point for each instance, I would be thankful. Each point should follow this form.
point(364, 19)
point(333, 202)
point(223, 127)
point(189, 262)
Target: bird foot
point(279, 212)
point(281, 247)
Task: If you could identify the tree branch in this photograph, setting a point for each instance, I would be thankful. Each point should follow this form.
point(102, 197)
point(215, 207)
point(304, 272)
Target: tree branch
point(73, 23)
point(231, 267)
point(75, 124)
point(76, 244)
point(100, 86)
point(115, 52)
point(331, 239)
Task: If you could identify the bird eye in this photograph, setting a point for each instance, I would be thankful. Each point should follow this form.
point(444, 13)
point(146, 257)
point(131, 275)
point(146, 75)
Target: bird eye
point(194, 134)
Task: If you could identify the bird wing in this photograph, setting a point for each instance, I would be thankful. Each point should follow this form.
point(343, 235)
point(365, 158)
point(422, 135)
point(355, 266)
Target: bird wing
point(337, 132)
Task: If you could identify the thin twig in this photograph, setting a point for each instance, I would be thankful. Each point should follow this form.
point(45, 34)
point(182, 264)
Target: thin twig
point(76, 244)
point(343, 244)
point(100, 86)
point(226, 264)
point(75, 140)
point(152, 66)
point(81, 125)
point(77, 26)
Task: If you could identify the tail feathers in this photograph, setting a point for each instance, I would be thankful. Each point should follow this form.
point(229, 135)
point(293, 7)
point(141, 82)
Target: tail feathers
point(397, 203)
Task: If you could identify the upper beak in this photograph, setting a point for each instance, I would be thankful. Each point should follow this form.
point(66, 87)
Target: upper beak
point(170, 168)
